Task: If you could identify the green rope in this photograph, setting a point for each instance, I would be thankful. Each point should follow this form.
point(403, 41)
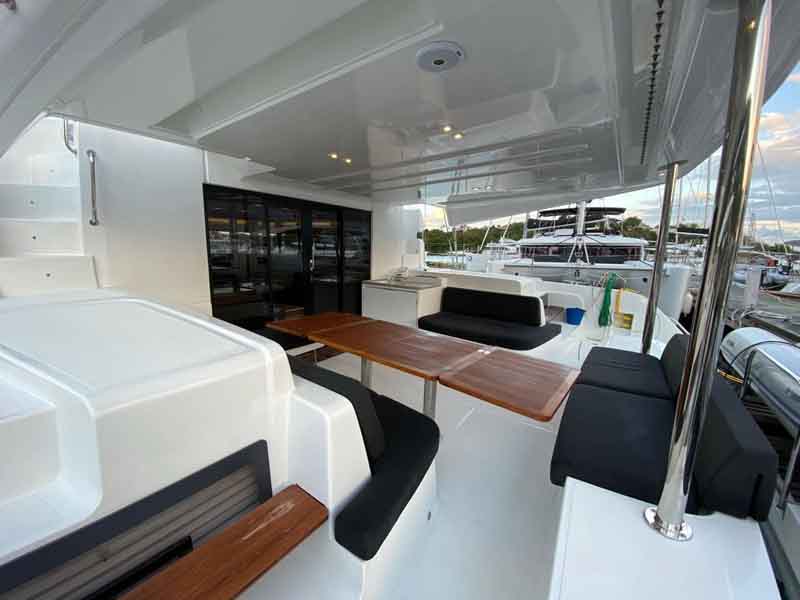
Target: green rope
point(605, 309)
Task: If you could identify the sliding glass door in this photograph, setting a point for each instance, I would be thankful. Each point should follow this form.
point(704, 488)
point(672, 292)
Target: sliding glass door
point(272, 257)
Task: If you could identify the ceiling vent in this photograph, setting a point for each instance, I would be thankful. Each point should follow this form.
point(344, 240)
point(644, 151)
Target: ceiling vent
point(439, 56)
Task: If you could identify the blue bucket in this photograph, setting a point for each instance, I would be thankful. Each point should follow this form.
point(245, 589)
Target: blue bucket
point(575, 316)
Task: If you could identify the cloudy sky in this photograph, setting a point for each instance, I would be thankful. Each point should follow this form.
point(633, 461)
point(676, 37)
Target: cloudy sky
point(779, 140)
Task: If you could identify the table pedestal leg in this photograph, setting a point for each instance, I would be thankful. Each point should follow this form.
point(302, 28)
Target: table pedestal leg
point(366, 373)
point(429, 399)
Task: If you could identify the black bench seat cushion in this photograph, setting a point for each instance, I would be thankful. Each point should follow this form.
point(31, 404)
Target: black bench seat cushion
point(493, 332)
point(736, 467)
point(401, 444)
point(615, 440)
point(631, 372)
point(358, 395)
point(620, 441)
point(412, 440)
point(525, 310)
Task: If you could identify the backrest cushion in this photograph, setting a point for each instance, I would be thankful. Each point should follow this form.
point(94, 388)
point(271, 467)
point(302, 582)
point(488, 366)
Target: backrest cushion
point(358, 395)
point(736, 467)
point(672, 361)
point(528, 310)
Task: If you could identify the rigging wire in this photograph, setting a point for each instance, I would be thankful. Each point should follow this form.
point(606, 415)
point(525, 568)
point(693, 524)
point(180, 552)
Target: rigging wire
point(772, 197)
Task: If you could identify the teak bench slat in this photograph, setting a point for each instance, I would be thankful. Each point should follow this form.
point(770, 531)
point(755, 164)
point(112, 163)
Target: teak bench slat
point(229, 562)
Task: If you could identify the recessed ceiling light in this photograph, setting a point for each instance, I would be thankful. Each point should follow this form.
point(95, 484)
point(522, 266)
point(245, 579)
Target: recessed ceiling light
point(477, 189)
point(247, 158)
point(333, 155)
point(447, 128)
point(348, 161)
point(458, 136)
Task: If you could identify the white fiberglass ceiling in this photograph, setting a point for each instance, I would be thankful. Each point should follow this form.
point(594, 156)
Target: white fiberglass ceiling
point(554, 97)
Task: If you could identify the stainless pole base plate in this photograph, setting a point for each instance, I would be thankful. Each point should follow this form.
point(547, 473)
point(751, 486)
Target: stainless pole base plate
point(680, 533)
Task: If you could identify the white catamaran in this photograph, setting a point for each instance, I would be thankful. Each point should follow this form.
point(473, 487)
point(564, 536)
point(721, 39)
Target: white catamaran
point(225, 371)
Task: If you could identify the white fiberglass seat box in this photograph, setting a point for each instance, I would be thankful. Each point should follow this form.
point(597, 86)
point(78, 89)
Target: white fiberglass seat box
point(106, 399)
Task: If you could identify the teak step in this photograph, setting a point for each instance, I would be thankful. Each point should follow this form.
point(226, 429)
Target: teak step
point(233, 559)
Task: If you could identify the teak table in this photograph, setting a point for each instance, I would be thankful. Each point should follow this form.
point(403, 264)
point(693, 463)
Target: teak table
point(528, 386)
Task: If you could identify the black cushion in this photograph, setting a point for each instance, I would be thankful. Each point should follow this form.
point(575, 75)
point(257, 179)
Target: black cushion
point(631, 372)
point(407, 442)
point(360, 397)
point(513, 308)
point(736, 467)
point(515, 336)
point(620, 441)
point(412, 440)
point(672, 361)
point(614, 440)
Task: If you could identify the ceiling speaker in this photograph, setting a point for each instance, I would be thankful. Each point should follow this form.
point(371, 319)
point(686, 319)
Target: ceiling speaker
point(439, 56)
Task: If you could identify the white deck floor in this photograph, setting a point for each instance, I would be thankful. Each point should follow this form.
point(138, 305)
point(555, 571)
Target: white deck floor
point(495, 530)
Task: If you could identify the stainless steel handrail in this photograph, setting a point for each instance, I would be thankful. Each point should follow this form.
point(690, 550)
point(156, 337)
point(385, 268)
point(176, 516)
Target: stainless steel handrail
point(92, 156)
point(783, 491)
point(733, 185)
point(66, 133)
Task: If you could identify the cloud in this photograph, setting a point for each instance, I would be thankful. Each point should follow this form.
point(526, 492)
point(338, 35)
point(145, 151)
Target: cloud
point(793, 78)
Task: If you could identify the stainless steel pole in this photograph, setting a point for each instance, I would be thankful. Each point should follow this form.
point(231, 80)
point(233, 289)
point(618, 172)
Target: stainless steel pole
point(733, 184)
point(429, 398)
point(661, 251)
point(366, 372)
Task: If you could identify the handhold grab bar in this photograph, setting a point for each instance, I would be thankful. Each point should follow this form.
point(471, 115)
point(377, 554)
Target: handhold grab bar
point(93, 220)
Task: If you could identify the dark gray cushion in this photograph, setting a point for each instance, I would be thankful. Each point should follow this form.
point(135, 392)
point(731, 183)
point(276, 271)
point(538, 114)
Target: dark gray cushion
point(672, 361)
point(620, 442)
point(513, 308)
point(359, 396)
point(736, 467)
point(407, 442)
point(504, 334)
point(412, 440)
point(631, 372)
point(614, 440)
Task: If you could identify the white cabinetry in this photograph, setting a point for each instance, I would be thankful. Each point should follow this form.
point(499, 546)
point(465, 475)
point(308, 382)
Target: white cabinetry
point(401, 303)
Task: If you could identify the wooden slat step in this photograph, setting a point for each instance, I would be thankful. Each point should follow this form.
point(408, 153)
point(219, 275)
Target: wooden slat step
point(233, 559)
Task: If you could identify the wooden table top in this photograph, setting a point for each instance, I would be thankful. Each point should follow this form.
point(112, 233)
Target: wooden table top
point(303, 326)
point(415, 351)
point(229, 562)
point(528, 386)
